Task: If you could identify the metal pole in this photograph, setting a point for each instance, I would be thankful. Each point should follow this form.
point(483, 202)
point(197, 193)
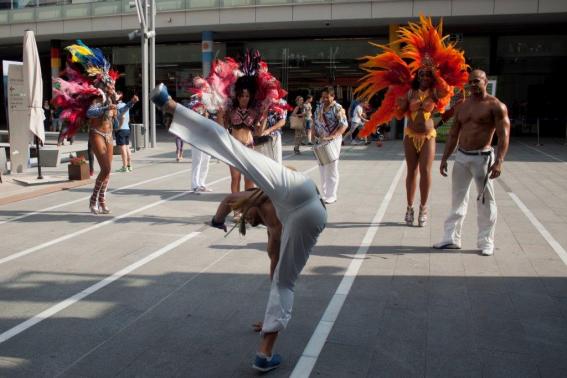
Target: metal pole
point(145, 84)
point(537, 126)
point(153, 70)
point(39, 175)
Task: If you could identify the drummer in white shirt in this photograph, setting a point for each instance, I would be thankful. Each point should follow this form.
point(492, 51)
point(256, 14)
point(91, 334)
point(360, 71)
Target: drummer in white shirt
point(330, 124)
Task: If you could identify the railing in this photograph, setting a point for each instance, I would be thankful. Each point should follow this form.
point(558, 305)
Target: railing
point(16, 11)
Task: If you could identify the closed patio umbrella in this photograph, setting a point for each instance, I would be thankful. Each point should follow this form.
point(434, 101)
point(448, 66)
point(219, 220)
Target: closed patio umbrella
point(33, 84)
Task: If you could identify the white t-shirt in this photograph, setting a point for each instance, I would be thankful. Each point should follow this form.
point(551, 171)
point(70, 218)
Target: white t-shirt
point(357, 114)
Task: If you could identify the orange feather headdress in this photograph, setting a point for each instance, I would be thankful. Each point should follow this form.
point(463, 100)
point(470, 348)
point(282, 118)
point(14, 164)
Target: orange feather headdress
point(424, 48)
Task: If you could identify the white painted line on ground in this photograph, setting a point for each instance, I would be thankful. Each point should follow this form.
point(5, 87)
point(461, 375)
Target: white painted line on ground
point(110, 191)
point(541, 228)
point(14, 331)
point(87, 197)
point(31, 250)
point(311, 353)
point(148, 310)
point(7, 335)
point(543, 153)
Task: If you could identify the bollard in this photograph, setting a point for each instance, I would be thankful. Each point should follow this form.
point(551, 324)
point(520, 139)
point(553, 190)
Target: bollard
point(138, 136)
point(537, 126)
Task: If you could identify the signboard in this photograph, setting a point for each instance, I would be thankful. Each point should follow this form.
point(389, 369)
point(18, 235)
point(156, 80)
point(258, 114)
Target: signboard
point(17, 119)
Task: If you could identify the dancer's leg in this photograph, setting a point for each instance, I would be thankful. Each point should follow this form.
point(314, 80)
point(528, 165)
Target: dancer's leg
point(102, 192)
point(412, 161)
point(99, 148)
point(234, 180)
point(426, 156)
point(91, 157)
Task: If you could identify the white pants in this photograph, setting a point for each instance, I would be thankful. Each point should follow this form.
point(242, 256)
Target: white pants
point(466, 169)
point(272, 149)
point(199, 168)
point(330, 178)
point(294, 196)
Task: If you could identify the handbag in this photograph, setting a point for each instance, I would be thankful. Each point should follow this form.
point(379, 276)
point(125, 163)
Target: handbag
point(260, 140)
point(296, 123)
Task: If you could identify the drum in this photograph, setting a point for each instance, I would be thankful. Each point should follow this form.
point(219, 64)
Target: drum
point(327, 152)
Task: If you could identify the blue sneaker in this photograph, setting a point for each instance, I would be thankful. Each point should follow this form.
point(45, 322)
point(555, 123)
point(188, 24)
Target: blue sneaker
point(265, 364)
point(159, 95)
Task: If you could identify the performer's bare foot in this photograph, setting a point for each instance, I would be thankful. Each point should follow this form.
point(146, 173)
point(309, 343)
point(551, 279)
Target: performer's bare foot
point(257, 327)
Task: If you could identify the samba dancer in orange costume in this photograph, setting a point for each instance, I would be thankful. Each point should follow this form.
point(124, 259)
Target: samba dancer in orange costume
point(415, 90)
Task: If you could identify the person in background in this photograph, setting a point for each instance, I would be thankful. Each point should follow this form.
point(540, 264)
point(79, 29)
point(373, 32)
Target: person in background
point(308, 110)
point(48, 113)
point(357, 120)
point(122, 134)
point(298, 112)
point(199, 159)
point(330, 124)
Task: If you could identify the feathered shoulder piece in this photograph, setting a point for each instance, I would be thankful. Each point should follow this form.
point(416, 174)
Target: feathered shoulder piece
point(217, 89)
point(424, 48)
point(270, 93)
point(74, 90)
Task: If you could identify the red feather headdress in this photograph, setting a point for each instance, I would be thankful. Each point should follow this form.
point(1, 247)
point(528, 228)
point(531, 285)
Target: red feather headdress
point(216, 89)
point(424, 48)
point(87, 70)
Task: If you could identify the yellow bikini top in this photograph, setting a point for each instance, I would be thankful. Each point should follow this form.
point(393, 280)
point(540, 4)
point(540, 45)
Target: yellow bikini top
point(423, 102)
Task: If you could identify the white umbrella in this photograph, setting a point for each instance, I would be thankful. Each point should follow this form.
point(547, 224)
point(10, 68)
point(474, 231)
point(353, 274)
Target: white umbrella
point(33, 85)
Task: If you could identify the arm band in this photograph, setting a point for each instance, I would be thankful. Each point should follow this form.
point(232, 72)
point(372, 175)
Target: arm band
point(96, 111)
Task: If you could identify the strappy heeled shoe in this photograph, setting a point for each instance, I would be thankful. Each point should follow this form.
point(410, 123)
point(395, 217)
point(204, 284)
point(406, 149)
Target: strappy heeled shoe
point(102, 208)
point(422, 217)
point(409, 216)
point(94, 209)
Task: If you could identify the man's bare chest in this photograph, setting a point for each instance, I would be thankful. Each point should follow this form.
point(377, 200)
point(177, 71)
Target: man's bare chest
point(477, 115)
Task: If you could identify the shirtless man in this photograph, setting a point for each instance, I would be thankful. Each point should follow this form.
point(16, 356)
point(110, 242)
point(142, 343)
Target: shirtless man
point(476, 121)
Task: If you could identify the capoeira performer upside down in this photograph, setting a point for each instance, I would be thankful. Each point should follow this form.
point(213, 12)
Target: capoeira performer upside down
point(294, 198)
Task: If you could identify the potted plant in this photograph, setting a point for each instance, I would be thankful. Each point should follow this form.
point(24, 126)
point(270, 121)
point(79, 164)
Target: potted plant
point(78, 168)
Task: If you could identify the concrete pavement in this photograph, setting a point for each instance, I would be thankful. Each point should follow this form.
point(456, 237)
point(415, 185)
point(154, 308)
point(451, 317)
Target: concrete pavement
point(151, 291)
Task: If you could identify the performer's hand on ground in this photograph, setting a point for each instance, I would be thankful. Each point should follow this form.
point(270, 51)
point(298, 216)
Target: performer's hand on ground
point(219, 225)
point(443, 168)
point(257, 327)
point(495, 170)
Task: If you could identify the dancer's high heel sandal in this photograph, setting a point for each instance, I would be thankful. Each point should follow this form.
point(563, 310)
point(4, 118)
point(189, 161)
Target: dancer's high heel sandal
point(422, 218)
point(409, 216)
point(92, 206)
point(94, 209)
point(103, 209)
